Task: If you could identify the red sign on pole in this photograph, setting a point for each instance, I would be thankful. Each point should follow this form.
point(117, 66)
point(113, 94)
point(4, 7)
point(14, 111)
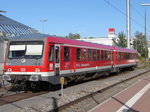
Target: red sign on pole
point(111, 30)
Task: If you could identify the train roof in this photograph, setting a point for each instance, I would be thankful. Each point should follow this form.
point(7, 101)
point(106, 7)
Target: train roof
point(61, 40)
point(30, 36)
point(125, 49)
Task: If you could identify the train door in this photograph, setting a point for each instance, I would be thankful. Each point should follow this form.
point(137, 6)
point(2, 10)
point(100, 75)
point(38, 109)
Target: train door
point(57, 59)
point(51, 58)
point(112, 59)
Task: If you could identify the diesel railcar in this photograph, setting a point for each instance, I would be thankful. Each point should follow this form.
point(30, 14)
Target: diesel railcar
point(39, 59)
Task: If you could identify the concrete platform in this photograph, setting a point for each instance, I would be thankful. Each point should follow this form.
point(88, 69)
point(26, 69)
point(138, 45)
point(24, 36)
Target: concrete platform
point(136, 98)
point(51, 99)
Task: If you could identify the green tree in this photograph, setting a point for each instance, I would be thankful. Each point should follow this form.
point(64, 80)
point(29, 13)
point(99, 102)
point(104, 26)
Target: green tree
point(122, 41)
point(73, 36)
point(140, 44)
point(91, 37)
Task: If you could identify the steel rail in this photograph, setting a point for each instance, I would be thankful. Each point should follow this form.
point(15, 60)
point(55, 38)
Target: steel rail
point(65, 106)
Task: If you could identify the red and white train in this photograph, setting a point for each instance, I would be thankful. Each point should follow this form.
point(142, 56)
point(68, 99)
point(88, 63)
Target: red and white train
point(38, 59)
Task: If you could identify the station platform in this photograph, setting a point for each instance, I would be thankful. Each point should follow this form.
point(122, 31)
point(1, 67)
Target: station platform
point(136, 98)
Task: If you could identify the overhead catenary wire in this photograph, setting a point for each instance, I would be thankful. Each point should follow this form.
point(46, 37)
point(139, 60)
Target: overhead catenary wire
point(138, 12)
point(123, 13)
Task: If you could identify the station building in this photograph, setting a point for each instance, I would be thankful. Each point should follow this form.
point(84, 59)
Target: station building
point(110, 40)
point(8, 29)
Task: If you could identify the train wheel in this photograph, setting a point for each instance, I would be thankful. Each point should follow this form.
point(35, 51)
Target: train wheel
point(132, 68)
point(35, 86)
point(46, 86)
point(118, 70)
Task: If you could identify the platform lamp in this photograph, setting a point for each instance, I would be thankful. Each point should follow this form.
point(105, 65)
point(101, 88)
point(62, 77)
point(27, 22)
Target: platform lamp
point(145, 29)
point(43, 21)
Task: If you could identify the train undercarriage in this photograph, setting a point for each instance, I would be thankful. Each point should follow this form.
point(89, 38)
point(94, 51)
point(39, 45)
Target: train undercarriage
point(23, 83)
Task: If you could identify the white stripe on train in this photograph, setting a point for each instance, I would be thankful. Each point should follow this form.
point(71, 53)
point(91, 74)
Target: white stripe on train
point(66, 71)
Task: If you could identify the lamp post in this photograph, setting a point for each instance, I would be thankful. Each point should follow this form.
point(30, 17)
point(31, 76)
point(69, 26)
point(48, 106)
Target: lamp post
point(128, 23)
point(145, 29)
point(43, 21)
point(145, 17)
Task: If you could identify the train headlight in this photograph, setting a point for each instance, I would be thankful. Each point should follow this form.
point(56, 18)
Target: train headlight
point(9, 70)
point(37, 70)
point(34, 78)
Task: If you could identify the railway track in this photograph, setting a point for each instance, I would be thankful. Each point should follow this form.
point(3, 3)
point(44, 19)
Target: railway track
point(74, 106)
point(11, 97)
point(64, 108)
point(7, 95)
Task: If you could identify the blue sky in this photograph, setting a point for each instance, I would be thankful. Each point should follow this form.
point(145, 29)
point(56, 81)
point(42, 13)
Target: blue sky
point(89, 18)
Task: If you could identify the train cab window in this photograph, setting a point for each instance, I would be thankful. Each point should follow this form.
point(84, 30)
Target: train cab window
point(66, 53)
point(51, 53)
point(27, 49)
point(78, 56)
point(94, 55)
point(83, 54)
point(98, 55)
point(89, 55)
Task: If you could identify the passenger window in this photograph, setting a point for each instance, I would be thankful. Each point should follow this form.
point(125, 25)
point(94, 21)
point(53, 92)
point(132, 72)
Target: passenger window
point(66, 53)
point(103, 55)
point(106, 55)
point(51, 53)
point(109, 55)
point(83, 54)
point(89, 55)
point(94, 55)
point(98, 55)
point(121, 55)
point(78, 56)
point(117, 56)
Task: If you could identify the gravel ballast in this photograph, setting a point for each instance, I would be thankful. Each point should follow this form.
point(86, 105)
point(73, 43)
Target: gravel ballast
point(50, 102)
